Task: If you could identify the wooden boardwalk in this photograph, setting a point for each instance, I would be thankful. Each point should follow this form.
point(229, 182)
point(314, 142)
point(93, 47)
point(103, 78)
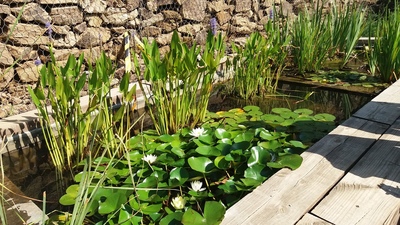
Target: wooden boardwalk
point(351, 176)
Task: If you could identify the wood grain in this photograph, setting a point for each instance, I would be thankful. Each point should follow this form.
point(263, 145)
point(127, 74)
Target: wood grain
point(370, 192)
point(309, 219)
point(288, 195)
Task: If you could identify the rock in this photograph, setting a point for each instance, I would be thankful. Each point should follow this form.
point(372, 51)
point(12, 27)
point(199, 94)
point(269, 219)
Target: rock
point(50, 2)
point(217, 6)
point(5, 56)
point(32, 12)
point(223, 17)
point(93, 37)
point(164, 39)
point(154, 19)
point(132, 4)
point(151, 31)
point(172, 15)
point(244, 22)
point(166, 27)
point(94, 21)
point(60, 29)
point(22, 53)
point(5, 9)
point(6, 76)
point(80, 28)
point(243, 5)
point(190, 29)
point(67, 41)
point(194, 10)
point(164, 2)
point(93, 6)
point(28, 34)
point(151, 5)
point(28, 72)
point(118, 16)
point(68, 15)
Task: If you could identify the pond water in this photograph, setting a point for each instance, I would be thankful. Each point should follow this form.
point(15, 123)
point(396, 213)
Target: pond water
point(340, 104)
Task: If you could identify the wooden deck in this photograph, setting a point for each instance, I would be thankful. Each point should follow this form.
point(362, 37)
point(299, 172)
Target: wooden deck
point(351, 176)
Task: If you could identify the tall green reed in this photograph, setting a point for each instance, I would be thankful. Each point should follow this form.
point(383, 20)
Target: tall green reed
point(68, 128)
point(347, 24)
point(180, 82)
point(311, 39)
point(385, 53)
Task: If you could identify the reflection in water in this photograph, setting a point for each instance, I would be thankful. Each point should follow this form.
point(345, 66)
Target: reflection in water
point(340, 104)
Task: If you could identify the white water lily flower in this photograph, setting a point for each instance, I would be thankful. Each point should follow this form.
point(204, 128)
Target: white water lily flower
point(178, 202)
point(149, 158)
point(196, 185)
point(197, 132)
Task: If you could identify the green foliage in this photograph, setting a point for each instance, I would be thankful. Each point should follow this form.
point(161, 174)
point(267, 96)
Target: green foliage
point(384, 54)
point(347, 24)
point(258, 65)
point(180, 82)
point(75, 129)
point(191, 177)
point(311, 40)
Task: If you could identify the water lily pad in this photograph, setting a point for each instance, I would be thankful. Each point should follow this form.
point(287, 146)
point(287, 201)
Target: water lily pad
point(208, 151)
point(222, 133)
point(304, 111)
point(291, 161)
point(259, 155)
point(281, 110)
point(325, 117)
point(178, 176)
point(201, 164)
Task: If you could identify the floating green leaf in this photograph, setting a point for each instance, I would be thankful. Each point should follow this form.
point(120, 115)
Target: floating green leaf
point(201, 164)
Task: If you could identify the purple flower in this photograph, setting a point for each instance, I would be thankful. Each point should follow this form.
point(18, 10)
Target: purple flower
point(271, 14)
point(38, 62)
point(214, 25)
point(49, 29)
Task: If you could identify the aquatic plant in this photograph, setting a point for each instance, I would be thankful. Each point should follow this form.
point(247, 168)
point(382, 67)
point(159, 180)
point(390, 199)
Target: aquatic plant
point(347, 23)
point(384, 54)
point(180, 82)
point(311, 40)
point(192, 178)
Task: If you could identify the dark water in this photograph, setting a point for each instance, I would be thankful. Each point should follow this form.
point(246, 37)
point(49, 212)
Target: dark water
point(340, 104)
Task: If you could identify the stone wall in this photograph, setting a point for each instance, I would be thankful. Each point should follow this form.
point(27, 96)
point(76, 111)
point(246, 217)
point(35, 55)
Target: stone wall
point(92, 25)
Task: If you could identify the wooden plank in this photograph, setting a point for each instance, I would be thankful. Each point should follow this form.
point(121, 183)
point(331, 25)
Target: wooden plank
point(370, 192)
point(288, 195)
point(384, 108)
point(310, 219)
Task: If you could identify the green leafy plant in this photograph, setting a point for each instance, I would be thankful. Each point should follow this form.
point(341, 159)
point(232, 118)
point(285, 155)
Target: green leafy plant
point(180, 83)
point(258, 65)
point(347, 24)
point(311, 40)
point(384, 54)
point(190, 177)
point(70, 130)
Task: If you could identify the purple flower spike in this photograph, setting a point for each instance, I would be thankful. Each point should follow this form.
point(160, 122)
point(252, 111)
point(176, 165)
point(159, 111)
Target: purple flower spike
point(49, 29)
point(271, 14)
point(38, 62)
point(214, 25)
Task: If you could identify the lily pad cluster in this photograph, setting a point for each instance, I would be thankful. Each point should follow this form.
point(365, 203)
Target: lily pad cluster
point(192, 176)
point(347, 79)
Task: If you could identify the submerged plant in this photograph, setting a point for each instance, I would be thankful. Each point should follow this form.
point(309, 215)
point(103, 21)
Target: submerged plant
point(180, 82)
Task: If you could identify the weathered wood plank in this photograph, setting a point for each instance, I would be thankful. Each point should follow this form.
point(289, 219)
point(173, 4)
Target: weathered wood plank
point(310, 219)
point(370, 192)
point(288, 195)
point(383, 108)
